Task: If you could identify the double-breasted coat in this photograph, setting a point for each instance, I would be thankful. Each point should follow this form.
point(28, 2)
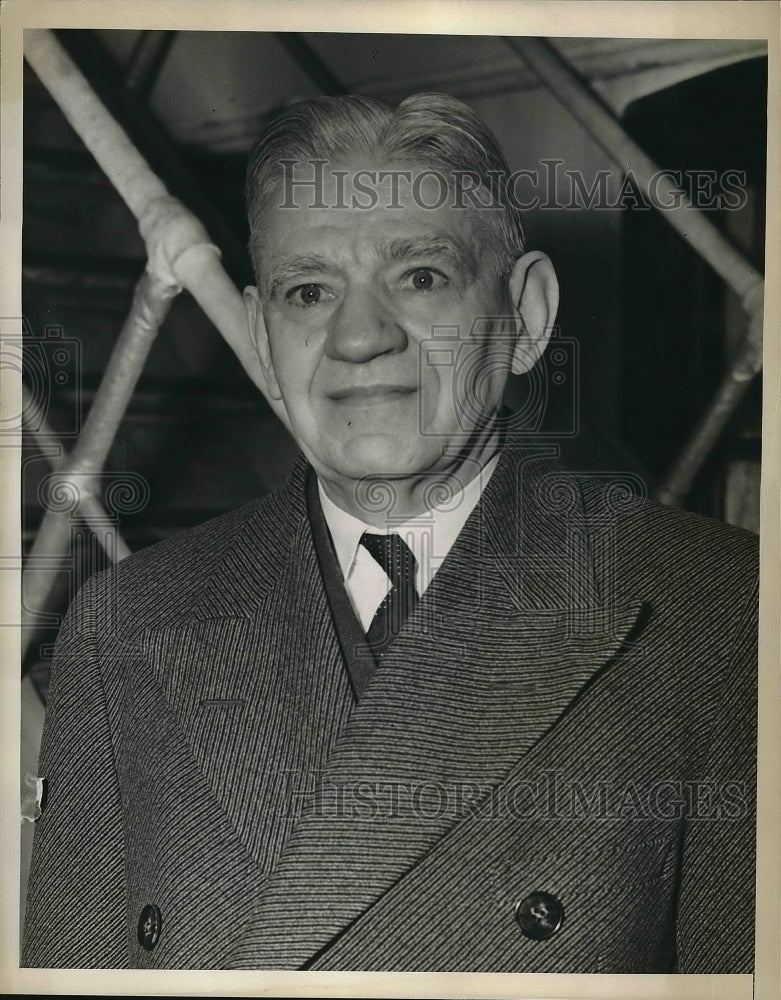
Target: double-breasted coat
point(551, 771)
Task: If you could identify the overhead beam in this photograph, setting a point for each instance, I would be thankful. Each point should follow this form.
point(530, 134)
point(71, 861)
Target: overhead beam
point(311, 63)
point(147, 60)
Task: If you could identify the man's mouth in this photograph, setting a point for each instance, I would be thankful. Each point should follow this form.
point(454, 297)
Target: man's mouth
point(371, 393)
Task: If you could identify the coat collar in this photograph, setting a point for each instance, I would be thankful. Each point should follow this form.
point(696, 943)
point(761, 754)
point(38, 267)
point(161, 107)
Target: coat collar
point(530, 530)
point(519, 620)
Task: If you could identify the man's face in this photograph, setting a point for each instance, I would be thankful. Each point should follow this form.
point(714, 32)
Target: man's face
point(389, 330)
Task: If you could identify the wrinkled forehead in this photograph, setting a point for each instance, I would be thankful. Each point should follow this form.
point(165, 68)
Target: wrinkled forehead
point(310, 193)
point(365, 182)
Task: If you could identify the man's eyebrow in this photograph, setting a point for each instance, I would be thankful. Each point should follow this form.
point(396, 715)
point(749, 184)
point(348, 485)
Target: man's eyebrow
point(285, 269)
point(458, 252)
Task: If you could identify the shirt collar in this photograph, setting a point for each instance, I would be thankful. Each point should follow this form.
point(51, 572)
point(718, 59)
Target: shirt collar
point(433, 532)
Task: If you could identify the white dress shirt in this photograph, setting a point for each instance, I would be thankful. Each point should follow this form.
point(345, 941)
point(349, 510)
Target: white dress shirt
point(429, 535)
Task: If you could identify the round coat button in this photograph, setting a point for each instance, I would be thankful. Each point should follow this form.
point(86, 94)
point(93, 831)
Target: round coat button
point(540, 915)
point(150, 923)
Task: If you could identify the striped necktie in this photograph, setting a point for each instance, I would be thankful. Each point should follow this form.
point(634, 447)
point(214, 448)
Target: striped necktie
point(395, 557)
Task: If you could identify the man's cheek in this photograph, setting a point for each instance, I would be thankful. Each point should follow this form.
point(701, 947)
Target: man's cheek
point(292, 384)
point(435, 400)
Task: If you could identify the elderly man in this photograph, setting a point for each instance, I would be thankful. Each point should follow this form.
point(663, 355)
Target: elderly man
point(437, 703)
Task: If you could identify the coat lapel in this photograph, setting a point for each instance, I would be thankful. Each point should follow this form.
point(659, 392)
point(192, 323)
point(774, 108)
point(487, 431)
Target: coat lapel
point(253, 676)
point(516, 623)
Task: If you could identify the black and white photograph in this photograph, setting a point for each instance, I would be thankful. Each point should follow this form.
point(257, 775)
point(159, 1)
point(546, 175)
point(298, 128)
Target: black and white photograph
point(387, 421)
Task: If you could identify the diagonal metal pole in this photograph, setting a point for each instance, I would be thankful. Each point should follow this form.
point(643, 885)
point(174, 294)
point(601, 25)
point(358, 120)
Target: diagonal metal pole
point(698, 231)
point(730, 392)
point(90, 509)
point(116, 88)
point(598, 120)
point(151, 302)
point(180, 249)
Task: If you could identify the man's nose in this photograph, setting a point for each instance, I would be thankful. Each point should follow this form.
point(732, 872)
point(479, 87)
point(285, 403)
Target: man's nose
point(362, 328)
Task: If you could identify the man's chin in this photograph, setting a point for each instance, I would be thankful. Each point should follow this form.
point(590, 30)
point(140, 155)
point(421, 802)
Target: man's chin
point(381, 456)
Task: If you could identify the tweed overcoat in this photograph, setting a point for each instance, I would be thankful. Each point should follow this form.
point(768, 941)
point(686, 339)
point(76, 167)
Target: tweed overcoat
point(570, 710)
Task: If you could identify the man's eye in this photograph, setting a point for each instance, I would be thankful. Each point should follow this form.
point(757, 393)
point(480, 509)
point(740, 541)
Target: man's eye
point(424, 279)
point(305, 295)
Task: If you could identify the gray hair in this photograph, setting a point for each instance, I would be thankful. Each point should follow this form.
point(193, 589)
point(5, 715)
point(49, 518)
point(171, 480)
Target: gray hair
point(431, 130)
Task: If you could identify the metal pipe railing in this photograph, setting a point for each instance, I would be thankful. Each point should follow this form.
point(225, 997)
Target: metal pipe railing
point(733, 387)
point(90, 509)
point(601, 124)
point(180, 256)
point(151, 302)
point(179, 248)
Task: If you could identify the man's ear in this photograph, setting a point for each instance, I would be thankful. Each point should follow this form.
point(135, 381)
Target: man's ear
point(534, 290)
point(259, 339)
